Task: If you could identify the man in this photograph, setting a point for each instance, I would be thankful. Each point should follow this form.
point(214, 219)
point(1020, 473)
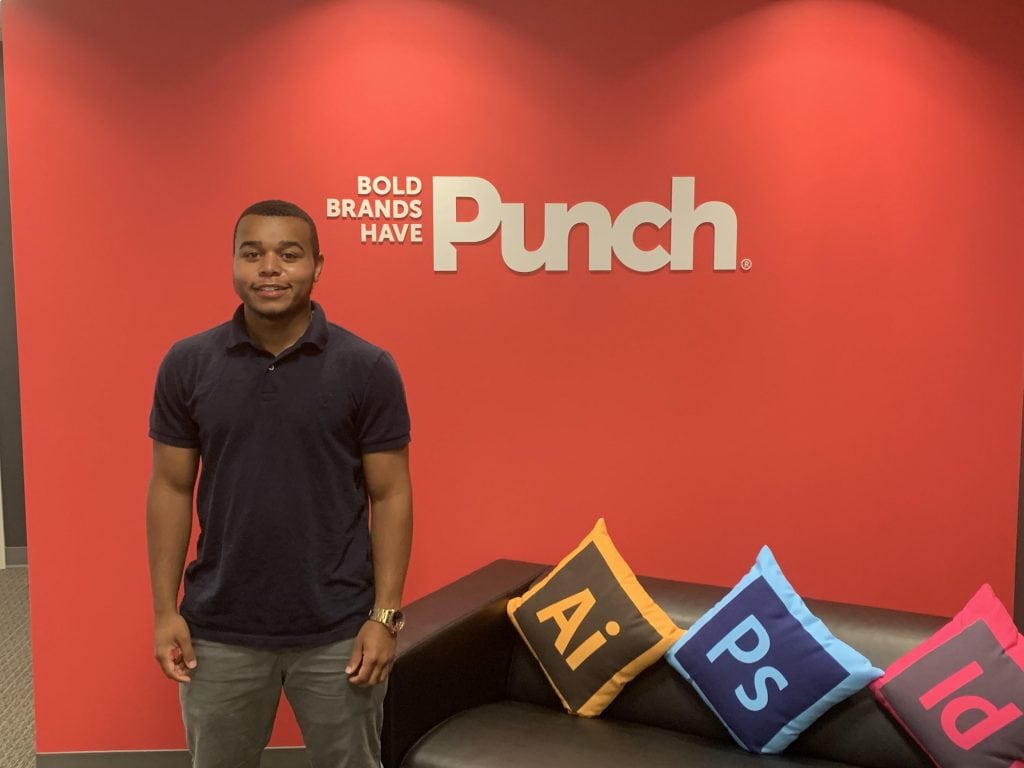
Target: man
point(304, 506)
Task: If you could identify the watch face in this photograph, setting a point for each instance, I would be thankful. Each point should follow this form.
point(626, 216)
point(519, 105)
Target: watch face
point(391, 618)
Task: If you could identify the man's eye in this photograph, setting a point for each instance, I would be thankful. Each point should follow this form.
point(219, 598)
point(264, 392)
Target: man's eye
point(250, 255)
point(288, 256)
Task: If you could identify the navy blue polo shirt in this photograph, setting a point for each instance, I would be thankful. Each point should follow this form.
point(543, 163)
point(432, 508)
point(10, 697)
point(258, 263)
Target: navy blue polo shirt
point(284, 549)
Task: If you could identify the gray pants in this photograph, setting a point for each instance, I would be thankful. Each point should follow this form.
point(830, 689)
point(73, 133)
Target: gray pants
point(229, 706)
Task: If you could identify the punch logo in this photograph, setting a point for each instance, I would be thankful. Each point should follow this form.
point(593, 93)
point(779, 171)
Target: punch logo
point(608, 239)
point(389, 210)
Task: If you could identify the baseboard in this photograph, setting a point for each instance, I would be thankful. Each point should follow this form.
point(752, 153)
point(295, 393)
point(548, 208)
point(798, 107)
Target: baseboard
point(16, 555)
point(276, 757)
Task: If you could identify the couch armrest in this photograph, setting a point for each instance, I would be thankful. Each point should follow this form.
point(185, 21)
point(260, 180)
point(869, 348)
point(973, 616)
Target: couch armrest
point(453, 654)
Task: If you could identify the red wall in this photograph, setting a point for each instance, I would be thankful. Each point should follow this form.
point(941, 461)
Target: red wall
point(853, 400)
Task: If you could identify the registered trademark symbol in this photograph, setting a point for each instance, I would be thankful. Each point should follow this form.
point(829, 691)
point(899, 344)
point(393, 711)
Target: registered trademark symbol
point(746, 264)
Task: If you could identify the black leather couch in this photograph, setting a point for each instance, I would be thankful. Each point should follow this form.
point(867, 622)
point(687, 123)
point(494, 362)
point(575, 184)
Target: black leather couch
point(465, 691)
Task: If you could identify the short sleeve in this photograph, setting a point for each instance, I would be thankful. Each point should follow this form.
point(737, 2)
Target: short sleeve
point(169, 418)
point(383, 420)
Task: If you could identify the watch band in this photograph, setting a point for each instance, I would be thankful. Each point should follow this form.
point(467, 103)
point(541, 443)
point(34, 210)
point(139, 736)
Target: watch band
point(391, 618)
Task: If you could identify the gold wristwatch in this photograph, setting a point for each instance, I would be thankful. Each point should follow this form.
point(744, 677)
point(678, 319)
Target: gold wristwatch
point(392, 618)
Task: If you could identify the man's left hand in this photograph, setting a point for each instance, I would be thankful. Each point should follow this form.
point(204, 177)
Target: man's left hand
point(372, 655)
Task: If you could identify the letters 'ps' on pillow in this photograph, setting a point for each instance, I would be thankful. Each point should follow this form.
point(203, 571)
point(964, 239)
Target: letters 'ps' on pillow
point(765, 664)
point(591, 626)
point(960, 693)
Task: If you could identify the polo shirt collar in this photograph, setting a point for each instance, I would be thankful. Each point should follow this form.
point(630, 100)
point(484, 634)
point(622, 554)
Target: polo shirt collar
point(316, 332)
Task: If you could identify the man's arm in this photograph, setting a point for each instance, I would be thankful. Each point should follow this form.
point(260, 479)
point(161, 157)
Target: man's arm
point(390, 489)
point(168, 527)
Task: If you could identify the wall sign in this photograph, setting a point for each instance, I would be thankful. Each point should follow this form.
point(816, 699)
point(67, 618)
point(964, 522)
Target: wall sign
point(390, 209)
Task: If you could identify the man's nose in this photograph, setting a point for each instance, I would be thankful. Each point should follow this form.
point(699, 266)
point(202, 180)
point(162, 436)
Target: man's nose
point(270, 264)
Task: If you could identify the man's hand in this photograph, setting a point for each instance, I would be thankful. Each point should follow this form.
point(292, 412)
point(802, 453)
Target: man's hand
point(372, 655)
point(173, 647)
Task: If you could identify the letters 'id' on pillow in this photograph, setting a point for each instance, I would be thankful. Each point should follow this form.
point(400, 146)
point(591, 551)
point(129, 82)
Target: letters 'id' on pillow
point(591, 626)
point(960, 693)
point(765, 664)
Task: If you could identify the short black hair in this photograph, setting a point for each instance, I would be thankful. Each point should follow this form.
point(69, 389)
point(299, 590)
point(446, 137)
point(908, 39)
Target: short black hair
point(279, 208)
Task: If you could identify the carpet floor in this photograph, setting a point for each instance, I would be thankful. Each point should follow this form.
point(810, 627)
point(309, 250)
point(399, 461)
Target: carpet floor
point(17, 717)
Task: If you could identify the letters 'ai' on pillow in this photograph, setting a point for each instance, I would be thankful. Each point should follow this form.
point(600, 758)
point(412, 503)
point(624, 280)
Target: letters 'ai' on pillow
point(767, 666)
point(591, 626)
point(960, 693)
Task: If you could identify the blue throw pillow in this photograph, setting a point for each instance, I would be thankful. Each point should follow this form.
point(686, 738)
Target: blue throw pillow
point(767, 666)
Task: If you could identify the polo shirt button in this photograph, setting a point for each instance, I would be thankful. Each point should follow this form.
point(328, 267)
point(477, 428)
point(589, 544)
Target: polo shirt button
point(270, 368)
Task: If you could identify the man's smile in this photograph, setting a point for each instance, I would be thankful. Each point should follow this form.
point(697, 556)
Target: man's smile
point(270, 290)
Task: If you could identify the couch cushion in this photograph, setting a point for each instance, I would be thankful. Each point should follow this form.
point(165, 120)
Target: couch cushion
point(765, 664)
point(514, 735)
point(591, 626)
point(961, 692)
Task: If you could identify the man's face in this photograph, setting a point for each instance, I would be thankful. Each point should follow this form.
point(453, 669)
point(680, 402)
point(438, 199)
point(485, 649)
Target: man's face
point(274, 265)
